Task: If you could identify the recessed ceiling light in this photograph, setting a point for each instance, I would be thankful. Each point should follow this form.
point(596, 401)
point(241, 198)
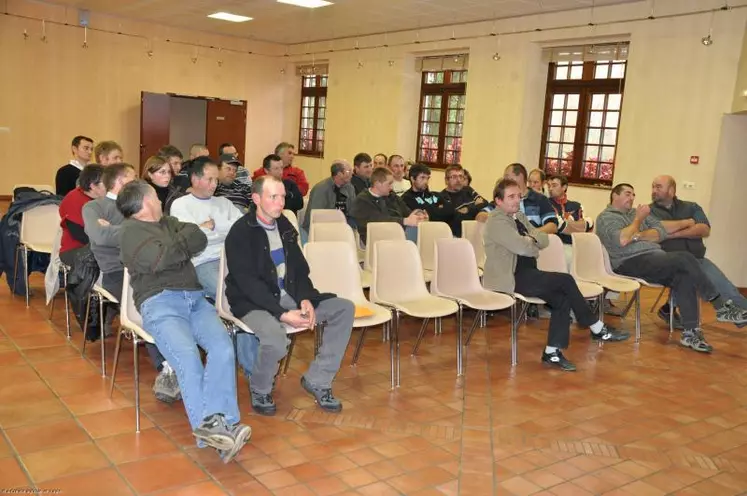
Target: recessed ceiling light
point(225, 16)
point(309, 4)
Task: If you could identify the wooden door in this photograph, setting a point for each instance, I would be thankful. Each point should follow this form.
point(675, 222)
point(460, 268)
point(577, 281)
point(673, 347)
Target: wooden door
point(155, 118)
point(226, 123)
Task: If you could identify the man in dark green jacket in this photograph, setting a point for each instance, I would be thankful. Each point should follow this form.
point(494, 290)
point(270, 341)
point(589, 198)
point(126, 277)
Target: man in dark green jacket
point(157, 250)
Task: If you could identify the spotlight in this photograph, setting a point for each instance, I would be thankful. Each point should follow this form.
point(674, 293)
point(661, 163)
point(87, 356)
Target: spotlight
point(496, 56)
point(391, 63)
point(707, 40)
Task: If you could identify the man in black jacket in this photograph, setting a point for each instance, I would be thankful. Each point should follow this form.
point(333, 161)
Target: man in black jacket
point(438, 207)
point(466, 201)
point(273, 166)
point(362, 169)
point(269, 289)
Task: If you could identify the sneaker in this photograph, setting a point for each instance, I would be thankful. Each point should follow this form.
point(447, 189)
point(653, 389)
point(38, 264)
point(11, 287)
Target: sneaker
point(241, 434)
point(263, 404)
point(732, 314)
point(323, 397)
point(557, 360)
point(694, 338)
point(166, 387)
point(214, 433)
point(663, 314)
point(610, 334)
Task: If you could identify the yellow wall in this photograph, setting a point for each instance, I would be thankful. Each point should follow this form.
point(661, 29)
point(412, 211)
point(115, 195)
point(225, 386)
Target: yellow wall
point(676, 93)
point(50, 92)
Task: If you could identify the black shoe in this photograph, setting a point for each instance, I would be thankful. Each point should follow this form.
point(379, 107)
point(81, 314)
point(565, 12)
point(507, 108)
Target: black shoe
point(557, 360)
point(663, 314)
point(610, 334)
point(533, 312)
point(263, 404)
point(323, 397)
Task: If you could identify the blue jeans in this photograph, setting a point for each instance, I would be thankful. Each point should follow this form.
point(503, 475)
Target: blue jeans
point(179, 321)
point(411, 233)
point(723, 285)
point(247, 350)
point(207, 274)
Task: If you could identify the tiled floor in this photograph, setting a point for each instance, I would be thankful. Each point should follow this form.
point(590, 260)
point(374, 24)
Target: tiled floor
point(646, 419)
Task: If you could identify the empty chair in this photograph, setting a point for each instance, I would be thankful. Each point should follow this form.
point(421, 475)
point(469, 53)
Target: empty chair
point(339, 231)
point(428, 233)
point(398, 284)
point(377, 231)
point(38, 230)
point(327, 215)
point(552, 259)
point(332, 267)
point(456, 277)
point(472, 232)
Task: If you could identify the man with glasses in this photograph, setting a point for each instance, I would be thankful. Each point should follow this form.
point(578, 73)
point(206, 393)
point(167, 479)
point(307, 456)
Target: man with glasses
point(466, 201)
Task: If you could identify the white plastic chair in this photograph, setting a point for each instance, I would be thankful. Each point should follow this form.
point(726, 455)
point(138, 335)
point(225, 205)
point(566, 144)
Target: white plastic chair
point(327, 215)
point(37, 187)
point(101, 295)
point(294, 221)
point(398, 284)
point(377, 231)
point(38, 229)
point(333, 270)
point(64, 269)
point(339, 231)
point(428, 234)
point(552, 259)
point(456, 277)
point(472, 232)
point(132, 326)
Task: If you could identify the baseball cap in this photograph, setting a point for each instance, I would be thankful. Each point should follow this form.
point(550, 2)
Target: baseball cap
point(230, 158)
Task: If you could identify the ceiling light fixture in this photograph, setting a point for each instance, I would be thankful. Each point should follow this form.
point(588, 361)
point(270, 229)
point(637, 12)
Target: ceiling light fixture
point(225, 16)
point(309, 4)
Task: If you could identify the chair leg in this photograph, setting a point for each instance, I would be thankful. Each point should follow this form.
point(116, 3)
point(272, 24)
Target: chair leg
point(67, 305)
point(637, 298)
point(671, 312)
point(26, 272)
point(359, 345)
point(514, 336)
point(85, 323)
point(392, 357)
point(101, 337)
point(661, 293)
point(51, 308)
point(460, 342)
point(484, 319)
point(420, 337)
point(289, 355)
point(117, 349)
point(396, 347)
point(600, 309)
point(136, 364)
point(15, 268)
point(478, 318)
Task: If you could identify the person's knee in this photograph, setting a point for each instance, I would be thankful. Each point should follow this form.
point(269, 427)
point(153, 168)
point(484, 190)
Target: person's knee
point(274, 345)
point(339, 310)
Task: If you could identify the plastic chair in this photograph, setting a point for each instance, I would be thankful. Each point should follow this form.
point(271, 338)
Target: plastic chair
point(552, 259)
point(333, 270)
point(37, 187)
point(294, 220)
point(428, 234)
point(64, 269)
point(398, 284)
point(132, 326)
point(456, 277)
point(339, 231)
point(377, 231)
point(38, 228)
point(101, 295)
point(327, 215)
point(472, 232)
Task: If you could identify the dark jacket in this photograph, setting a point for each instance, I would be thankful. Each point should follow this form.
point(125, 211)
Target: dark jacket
point(360, 183)
point(293, 196)
point(369, 208)
point(439, 208)
point(681, 210)
point(252, 280)
point(469, 202)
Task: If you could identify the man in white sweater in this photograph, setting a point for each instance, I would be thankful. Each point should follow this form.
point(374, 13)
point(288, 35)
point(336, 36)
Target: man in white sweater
point(214, 215)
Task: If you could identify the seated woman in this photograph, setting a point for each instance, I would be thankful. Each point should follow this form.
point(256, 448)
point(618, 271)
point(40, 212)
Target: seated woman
point(157, 172)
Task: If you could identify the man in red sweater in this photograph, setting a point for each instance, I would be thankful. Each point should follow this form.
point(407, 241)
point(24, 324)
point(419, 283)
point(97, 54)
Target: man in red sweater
point(71, 210)
point(295, 174)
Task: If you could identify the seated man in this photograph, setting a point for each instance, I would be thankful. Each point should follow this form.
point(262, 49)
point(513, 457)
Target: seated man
point(107, 153)
point(686, 225)
point(198, 150)
point(273, 166)
point(378, 203)
point(214, 216)
point(467, 203)
point(156, 250)
point(335, 192)
point(512, 245)
point(102, 224)
point(268, 286)
point(632, 238)
point(239, 193)
point(362, 168)
point(286, 152)
point(242, 175)
point(66, 178)
point(396, 164)
point(71, 211)
point(419, 196)
point(569, 213)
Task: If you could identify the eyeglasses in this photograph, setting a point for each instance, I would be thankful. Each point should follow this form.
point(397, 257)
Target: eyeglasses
point(454, 176)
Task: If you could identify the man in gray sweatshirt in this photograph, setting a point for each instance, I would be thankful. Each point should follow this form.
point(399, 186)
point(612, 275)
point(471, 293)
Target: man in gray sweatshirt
point(102, 221)
point(632, 238)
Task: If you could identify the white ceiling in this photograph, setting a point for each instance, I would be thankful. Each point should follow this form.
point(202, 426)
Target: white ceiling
point(287, 24)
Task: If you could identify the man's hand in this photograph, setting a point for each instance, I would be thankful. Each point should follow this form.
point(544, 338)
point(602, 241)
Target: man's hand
point(413, 219)
point(463, 210)
point(482, 217)
point(575, 226)
point(104, 223)
point(308, 309)
point(208, 224)
point(642, 211)
point(422, 214)
point(295, 318)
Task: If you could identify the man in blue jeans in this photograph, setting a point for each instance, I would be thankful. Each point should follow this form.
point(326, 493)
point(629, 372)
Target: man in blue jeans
point(686, 225)
point(157, 251)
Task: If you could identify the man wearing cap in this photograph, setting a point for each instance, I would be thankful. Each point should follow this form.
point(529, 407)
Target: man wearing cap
point(240, 194)
point(242, 174)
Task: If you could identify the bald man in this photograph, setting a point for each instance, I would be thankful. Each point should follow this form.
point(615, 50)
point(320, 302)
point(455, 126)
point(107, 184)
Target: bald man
point(686, 225)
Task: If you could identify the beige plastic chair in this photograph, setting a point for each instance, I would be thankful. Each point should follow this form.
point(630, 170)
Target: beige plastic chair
point(339, 231)
point(398, 284)
point(38, 230)
point(590, 263)
point(472, 232)
point(37, 187)
point(327, 215)
point(64, 269)
point(378, 231)
point(333, 270)
point(294, 220)
point(456, 277)
point(131, 326)
point(235, 325)
point(428, 234)
point(101, 295)
point(552, 259)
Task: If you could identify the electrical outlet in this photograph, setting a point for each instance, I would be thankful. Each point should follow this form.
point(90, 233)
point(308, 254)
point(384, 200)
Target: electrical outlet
point(688, 185)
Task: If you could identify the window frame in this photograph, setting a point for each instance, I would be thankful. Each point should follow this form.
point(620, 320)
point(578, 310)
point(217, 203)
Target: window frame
point(445, 90)
point(585, 87)
point(317, 91)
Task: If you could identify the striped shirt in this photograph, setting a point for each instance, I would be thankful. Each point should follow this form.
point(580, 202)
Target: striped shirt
point(277, 253)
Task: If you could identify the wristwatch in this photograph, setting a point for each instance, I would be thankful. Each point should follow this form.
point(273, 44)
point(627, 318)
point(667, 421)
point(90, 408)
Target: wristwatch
point(636, 237)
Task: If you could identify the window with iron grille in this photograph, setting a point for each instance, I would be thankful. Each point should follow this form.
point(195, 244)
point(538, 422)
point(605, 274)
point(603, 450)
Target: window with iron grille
point(441, 118)
point(582, 115)
point(311, 132)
